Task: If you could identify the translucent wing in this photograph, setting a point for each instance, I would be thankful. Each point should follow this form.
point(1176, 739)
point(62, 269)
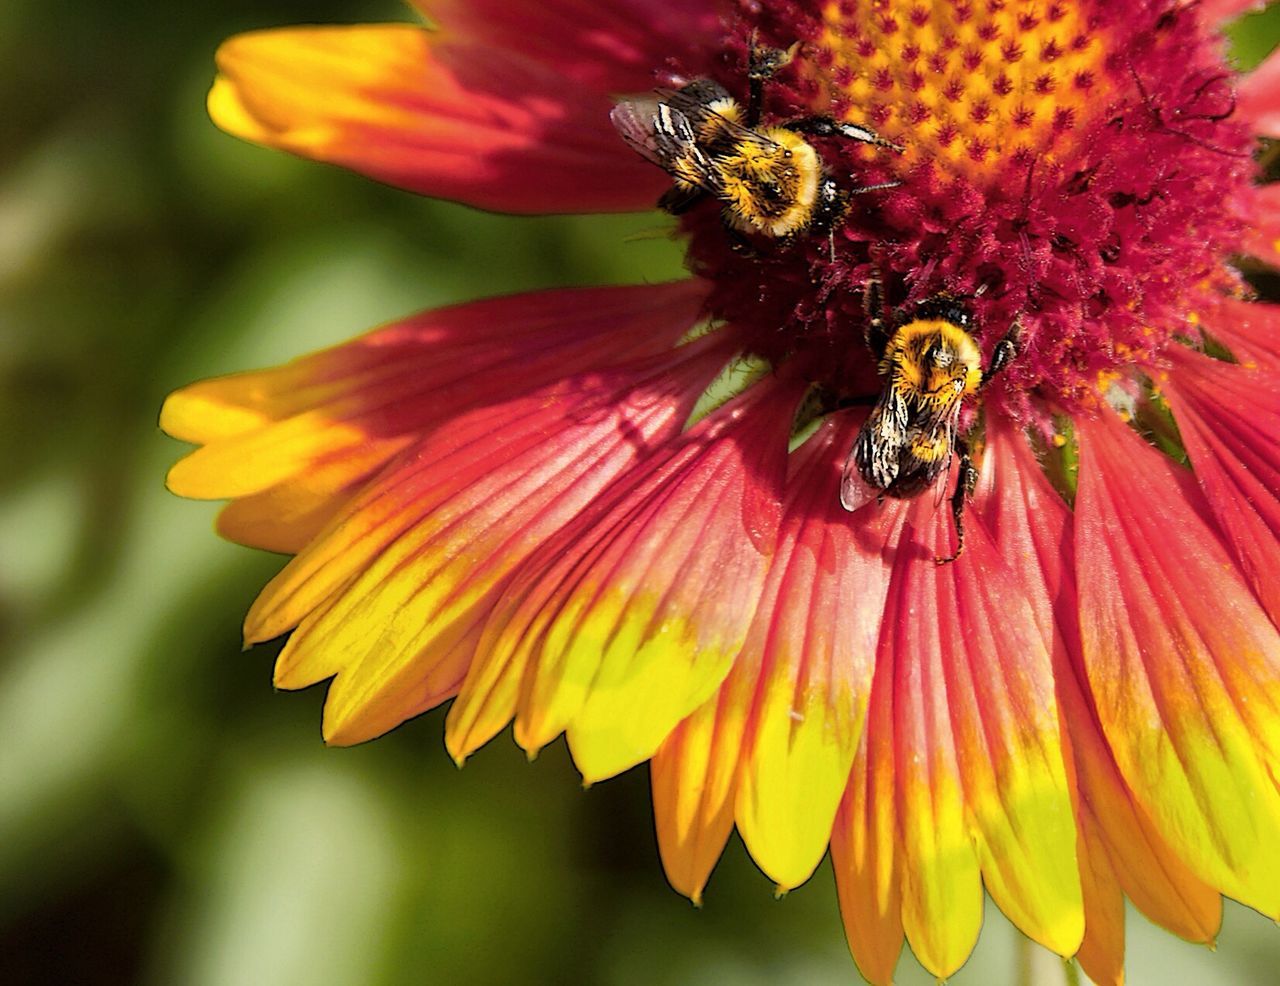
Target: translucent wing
point(664, 135)
point(699, 103)
point(855, 492)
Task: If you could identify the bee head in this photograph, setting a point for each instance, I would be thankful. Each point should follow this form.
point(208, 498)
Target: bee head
point(942, 308)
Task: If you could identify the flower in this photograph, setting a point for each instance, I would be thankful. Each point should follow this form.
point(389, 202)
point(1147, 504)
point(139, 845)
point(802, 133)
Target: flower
point(506, 504)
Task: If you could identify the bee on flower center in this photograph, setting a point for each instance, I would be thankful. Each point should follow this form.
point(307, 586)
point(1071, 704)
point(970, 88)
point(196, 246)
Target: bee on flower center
point(770, 180)
point(929, 363)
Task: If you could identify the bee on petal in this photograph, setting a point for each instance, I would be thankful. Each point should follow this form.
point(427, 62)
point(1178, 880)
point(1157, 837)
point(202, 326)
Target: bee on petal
point(930, 363)
point(770, 180)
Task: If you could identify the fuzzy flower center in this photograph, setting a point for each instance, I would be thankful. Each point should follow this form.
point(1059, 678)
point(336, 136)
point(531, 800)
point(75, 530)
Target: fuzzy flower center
point(1069, 166)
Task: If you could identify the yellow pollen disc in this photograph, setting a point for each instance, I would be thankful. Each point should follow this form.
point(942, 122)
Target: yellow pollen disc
point(965, 83)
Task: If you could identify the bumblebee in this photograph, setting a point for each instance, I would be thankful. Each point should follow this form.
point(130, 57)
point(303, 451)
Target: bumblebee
point(770, 180)
point(930, 363)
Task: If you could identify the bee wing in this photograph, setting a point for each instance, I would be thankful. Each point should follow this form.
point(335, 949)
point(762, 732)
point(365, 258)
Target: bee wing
point(855, 492)
point(695, 105)
point(636, 123)
point(665, 136)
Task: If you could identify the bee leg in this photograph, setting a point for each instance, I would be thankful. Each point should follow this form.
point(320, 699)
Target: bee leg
point(762, 64)
point(877, 334)
point(825, 126)
point(738, 243)
point(966, 482)
point(676, 201)
point(1006, 349)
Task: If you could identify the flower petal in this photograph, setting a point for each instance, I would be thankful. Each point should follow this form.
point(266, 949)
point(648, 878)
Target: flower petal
point(813, 642)
point(485, 126)
point(286, 517)
point(299, 439)
point(391, 597)
point(1120, 849)
point(865, 852)
point(941, 884)
point(1258, 98)
point(1250, 329)
point(986, 697)
point(1101, 954)
point(630, 620)
point(1182, 662)
point(1229, 419)
point(1261, 208)
point(611, 47)
point(1220, 11)
point(694, 776)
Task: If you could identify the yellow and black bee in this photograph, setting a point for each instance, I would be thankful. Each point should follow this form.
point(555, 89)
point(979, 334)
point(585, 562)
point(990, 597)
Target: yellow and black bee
point(930, 363)
point(770, 180)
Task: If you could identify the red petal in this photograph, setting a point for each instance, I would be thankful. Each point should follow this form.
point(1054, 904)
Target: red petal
point(1121, 849)
point(1261, 209)
point(612, 47)
point(1229, 418)
point(977, 722)
point(1216, 12)
point(941, 885)
point(393, 594)
point(1258, 99)
point(485, 126)
point(300, 439)
point(1250, 329)
point(813, 645)
point(1183, 664)
point(630, 619)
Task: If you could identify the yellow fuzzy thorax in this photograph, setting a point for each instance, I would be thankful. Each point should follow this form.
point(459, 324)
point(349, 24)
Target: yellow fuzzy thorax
point(771, 186)
point(963, 85)
point(933, 362)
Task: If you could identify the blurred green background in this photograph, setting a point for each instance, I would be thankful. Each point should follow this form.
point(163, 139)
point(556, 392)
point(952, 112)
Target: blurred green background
point(164, 817)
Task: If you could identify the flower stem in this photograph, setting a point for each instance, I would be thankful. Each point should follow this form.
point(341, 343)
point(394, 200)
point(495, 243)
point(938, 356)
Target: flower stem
point(1025, 965)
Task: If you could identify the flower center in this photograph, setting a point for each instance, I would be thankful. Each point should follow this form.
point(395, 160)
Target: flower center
point(1066, 166)
point(962, 84)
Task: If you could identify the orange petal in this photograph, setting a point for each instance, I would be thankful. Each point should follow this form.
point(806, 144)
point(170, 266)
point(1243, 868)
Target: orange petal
point(814, 638)
point(865, 852)
point(392, 595)
point(485, 126)
point(694, 776)
point(1101, 952)
point(1183, 664)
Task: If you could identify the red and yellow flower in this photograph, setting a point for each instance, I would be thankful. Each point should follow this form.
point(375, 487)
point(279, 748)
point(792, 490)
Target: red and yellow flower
point(524, 504)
